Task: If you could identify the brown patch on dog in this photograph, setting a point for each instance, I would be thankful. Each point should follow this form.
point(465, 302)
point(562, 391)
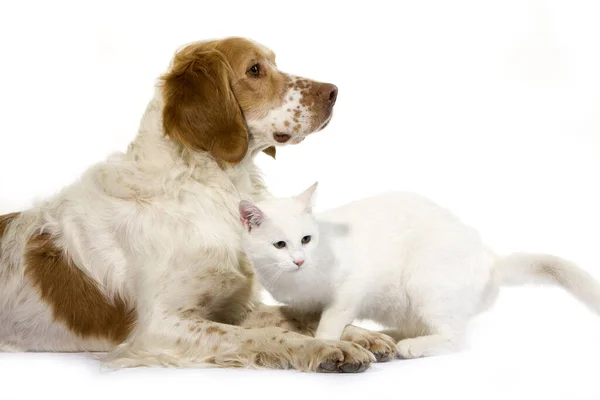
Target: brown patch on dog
point(75, 298)
point(215, 329)
point(212, 329)
point(200, 110)
point(5, 220)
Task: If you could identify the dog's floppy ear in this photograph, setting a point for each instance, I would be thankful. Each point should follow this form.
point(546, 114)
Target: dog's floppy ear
point(270, 151)
point(200, 110)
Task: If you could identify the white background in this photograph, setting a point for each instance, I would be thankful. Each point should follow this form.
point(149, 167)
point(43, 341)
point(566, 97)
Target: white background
point(491, 108)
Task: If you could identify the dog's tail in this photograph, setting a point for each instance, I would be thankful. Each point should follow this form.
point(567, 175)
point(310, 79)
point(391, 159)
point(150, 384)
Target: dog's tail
point(524, 268)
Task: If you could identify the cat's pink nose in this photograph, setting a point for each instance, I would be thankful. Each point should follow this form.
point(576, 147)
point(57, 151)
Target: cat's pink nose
point(299, 262)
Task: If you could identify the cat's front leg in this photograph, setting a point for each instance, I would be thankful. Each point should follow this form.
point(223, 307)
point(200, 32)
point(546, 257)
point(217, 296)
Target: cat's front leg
point(334, 321)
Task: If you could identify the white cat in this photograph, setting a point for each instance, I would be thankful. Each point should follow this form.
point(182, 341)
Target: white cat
point(397, 259)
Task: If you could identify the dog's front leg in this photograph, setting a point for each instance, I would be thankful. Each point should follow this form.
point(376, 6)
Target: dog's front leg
point(285, 317)
point(202, 343)
point(381, 345)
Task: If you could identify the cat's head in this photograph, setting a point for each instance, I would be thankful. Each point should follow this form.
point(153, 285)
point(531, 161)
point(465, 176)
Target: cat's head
point(280, 234)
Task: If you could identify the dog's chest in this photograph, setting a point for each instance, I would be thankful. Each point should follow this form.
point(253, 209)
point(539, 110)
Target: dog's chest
point(234, 297)
point(222, 292)
point(199, 233)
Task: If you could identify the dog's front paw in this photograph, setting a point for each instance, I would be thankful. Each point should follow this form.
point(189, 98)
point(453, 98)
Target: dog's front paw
point(334, 356)
point(381, 345)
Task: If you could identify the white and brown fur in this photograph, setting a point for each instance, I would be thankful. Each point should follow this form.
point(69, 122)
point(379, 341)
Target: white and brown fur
point(141, 257)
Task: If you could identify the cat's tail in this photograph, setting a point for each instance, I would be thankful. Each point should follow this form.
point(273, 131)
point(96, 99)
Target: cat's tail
point(524, 268)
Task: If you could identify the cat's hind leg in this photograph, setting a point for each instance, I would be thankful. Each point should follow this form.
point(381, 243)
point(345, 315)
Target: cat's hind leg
point(436, 326)
point(429, 345)
point(441, 298)
point(439, 336)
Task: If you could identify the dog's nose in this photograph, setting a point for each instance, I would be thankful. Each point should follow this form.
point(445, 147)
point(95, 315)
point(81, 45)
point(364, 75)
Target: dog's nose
point(329, 92)
point(299, 262)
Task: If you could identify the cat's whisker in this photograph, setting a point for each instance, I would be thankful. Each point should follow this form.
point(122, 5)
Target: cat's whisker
point(271, 266)
point(273, 280)
point(278, 272)
point(268, 266)
point(277, 277)
point(268, 284)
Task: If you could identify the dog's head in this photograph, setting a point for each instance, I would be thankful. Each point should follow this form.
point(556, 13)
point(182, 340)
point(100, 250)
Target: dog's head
point(220, 92)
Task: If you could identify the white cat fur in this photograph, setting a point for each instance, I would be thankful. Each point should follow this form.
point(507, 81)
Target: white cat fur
point(397, 259)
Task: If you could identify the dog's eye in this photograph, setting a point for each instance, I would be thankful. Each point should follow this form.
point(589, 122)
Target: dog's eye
point(306, 239)
point(279, 245)
point(254, 70)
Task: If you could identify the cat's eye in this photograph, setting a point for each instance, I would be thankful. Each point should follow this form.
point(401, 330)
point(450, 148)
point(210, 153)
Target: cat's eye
point(279, 245)
point(254, 70)
point(306, 239)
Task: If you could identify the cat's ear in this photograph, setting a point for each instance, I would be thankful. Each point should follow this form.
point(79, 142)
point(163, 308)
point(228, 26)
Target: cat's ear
point(250, 215)
point(306, 197)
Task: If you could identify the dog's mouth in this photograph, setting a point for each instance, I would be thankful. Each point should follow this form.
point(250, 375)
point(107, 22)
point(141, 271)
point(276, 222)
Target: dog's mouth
point(325, 124)
point(281, 137)
point(327, 121)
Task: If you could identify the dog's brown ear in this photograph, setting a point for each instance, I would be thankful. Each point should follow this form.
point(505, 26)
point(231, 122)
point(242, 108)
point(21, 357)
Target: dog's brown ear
point(200, 110)
point(270, 151)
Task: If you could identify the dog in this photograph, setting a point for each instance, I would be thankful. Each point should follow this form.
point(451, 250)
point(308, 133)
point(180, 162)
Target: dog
point(141, 258)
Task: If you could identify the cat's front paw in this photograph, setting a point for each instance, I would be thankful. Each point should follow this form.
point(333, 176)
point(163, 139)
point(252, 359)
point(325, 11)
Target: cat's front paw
point(381, 345)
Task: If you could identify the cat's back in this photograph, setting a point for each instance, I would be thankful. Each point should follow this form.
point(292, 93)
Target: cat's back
point(388, 208)
point(390, 224)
